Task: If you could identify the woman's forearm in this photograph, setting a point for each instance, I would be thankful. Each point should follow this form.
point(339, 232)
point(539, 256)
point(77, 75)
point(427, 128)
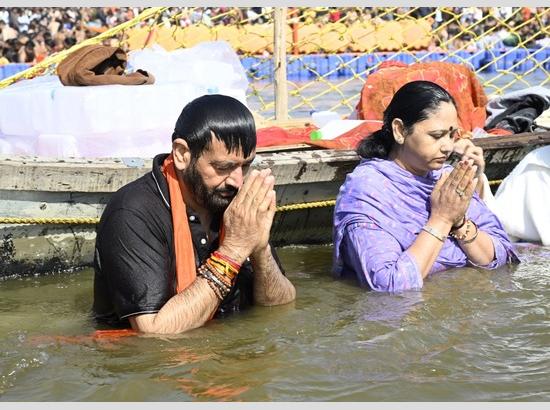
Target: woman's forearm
point(427, 246)
point(481, 251)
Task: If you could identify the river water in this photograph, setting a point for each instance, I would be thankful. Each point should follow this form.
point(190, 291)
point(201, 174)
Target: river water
point(467, 335)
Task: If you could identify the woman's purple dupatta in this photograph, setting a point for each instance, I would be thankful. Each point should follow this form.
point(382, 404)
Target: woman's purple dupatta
point(381, 192)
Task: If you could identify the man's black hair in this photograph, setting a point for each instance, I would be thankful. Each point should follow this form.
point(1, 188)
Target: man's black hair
point(226, 117)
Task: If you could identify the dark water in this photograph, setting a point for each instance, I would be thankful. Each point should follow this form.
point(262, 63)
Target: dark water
point(468, 335)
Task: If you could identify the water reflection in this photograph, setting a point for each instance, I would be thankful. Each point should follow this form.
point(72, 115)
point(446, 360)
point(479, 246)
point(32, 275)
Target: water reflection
point(467, 335)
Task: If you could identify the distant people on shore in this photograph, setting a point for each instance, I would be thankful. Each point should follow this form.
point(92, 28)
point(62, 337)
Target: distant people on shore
point(28, 35)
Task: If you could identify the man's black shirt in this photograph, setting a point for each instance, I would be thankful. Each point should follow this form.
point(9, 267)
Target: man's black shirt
point(134, 263)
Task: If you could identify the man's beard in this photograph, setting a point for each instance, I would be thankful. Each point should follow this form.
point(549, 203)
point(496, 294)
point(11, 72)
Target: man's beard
point(210, 199)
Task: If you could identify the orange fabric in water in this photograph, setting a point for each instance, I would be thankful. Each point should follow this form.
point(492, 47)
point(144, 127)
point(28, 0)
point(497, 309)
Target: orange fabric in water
point(183, 243)
point(457, 79)
point(113, 334)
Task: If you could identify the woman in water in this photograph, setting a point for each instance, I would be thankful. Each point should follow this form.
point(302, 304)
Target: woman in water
point(403, 214)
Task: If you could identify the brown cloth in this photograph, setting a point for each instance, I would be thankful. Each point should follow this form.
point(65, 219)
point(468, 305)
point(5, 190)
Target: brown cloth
point(99, 65)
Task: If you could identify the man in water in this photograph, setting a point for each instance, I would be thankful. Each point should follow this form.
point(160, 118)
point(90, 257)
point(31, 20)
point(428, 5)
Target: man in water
point(190, 239)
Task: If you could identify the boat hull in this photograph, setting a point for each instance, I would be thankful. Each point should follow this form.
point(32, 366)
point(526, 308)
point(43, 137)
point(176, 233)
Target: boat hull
point(43, 190)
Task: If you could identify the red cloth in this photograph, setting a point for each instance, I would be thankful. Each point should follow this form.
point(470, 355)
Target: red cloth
point(377, 93)
point(350, 139)
point(457, 79)
point(277, 136)
point(499, 131)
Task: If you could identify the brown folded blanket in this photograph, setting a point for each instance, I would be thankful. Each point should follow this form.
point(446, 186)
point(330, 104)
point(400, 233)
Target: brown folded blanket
point(99, 65)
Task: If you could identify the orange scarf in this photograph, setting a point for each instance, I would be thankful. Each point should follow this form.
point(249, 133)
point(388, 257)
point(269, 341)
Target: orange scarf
point(186, 271)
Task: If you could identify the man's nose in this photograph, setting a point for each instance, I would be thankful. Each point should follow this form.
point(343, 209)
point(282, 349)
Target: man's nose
point(236, 178)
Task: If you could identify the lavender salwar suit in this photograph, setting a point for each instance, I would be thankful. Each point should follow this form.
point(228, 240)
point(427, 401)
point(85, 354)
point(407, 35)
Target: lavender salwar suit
point(380, 210)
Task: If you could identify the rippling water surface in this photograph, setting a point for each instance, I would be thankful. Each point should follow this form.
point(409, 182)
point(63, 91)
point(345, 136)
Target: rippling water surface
point(468, 335)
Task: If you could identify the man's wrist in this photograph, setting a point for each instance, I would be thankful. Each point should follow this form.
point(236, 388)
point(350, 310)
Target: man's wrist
point(233, 253)
point(261, 253)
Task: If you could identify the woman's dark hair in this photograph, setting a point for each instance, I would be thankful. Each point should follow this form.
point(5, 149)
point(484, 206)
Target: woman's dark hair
point(412, 103)
point(228, 118)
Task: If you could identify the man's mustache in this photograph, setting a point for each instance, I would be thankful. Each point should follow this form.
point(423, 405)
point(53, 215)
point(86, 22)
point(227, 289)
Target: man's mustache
point(229, 191)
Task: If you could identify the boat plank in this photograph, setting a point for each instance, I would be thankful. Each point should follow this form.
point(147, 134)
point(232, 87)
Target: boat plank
point(108, 175)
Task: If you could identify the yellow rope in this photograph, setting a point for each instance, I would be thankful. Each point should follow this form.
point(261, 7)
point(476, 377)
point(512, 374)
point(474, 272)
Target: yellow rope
point(50, 221)
point(306, 205)
point(95, 221)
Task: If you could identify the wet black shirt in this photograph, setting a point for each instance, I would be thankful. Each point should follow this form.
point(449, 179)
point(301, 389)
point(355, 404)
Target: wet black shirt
point(134, 263)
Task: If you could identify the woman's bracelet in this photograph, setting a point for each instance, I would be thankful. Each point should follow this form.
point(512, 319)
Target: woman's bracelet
point(462, 238)
point(473, 238)
point(434, 233)
point(457, 227)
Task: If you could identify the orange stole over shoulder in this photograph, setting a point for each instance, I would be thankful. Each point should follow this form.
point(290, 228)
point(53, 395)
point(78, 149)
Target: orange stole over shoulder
point(186, 271)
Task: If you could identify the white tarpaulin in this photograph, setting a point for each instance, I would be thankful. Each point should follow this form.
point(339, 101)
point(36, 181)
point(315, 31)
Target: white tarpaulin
point(42, 117)
point(522, 200)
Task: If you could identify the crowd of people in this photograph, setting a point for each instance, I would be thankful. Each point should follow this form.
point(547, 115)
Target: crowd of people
point(28, 35)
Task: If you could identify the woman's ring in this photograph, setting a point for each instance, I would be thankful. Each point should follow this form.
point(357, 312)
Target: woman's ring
point(459, 192)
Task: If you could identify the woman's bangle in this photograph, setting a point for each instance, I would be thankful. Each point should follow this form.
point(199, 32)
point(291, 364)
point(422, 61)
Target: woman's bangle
point(473, 238)
point(457, 227)
point(462, 238)
point(436, 234)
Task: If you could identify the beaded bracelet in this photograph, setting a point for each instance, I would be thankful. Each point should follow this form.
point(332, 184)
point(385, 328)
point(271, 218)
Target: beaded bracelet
point(462, 238)
point(219, 272)
point(221, 290)
point(454, 234)
point(214, 288)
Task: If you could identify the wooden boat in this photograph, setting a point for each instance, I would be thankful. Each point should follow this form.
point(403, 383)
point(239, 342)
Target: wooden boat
point(49, 208)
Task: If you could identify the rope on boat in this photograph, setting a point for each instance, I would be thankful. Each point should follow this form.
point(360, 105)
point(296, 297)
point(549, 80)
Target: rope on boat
point(50, 221)
point(95, 221)
point(306, 205)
